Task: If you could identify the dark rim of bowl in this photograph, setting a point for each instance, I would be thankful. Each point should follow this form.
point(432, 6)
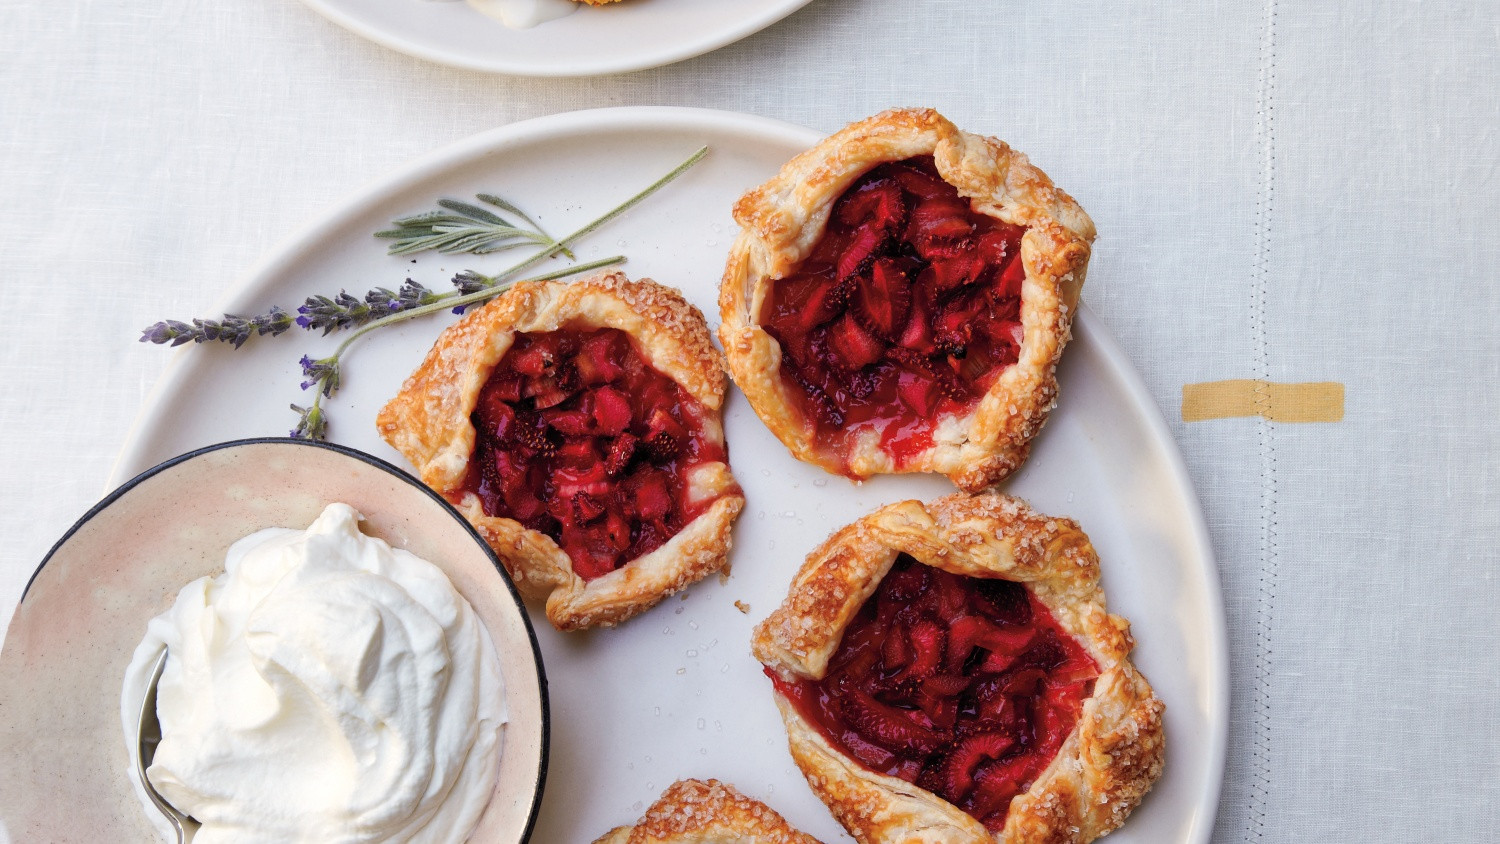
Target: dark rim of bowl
point(536, 651)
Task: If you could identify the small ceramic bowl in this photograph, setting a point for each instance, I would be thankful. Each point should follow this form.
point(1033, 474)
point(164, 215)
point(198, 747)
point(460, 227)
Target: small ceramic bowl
point(66, 776)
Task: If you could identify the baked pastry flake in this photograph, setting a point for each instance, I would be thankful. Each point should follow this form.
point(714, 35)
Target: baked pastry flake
point(948, 672)
point(706, 812)
point(898, 297)
point(578, 427)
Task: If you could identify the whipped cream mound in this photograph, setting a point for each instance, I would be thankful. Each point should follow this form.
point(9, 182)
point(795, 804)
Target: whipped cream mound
point(325, 687)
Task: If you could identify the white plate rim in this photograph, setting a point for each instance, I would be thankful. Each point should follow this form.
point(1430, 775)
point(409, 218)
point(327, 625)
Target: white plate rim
point(599, 65)
point(291, 251)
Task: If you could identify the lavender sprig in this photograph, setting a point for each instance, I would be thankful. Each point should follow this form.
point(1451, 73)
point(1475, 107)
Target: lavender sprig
point(322, 373)
point(346, 311)
point(468, 228)
point(465, 228)
point(343, 311)
point(312, 424)
point(232, 329)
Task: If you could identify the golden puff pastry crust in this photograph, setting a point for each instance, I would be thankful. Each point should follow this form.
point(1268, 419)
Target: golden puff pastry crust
point(706, 812)
point(429, 423)
point(783, 220)
point(1106, 764)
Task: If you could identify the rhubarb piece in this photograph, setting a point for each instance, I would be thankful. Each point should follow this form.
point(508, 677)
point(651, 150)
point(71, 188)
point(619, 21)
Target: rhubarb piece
point(965, 671)
point(860, 270)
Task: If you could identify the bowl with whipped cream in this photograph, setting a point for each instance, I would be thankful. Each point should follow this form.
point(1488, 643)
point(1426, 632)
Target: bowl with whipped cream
point(345, 661)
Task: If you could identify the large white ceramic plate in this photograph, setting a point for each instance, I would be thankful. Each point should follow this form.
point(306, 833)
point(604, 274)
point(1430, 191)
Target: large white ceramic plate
point(629, 35)
point(675, 693)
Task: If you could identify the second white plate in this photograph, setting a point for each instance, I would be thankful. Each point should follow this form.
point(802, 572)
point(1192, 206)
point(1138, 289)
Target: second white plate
point(594, 40)
point(675, 692)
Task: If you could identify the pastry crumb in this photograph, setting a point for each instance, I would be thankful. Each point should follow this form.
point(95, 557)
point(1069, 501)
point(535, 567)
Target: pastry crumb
point(742, 607)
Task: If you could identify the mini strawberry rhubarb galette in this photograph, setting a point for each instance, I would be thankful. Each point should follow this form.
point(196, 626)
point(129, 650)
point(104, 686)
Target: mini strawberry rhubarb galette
point(898, 297)
point(707, 812)
point(579, 427)
point(949, 673)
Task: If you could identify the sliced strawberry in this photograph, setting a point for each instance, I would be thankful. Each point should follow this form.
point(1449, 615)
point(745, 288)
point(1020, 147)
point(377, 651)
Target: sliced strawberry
point(612, 413)
point(862, 249)
point(520, 500)
point(998, 246)
point(998, 710)
point(924, 183)
point(968, 754)
point(535, 360)
point(530, 435)
point(495, 416)
point(948, 274)
point(945, 685)
point(894, 651)
point(650, 495)
point(940, 228)
point(649, 536)
point(854, 347)
point(818, 300)
point(886, 725)
point(956, 323)
point(1023, 683)
point(884, 300)
point(917, 335)
point(662, 446)
point(569, 423)
point(880, 203)
point(920, 395)
point(1004, 640)
point(1046, 653)
point(951, 595)
point(617, 530)
point(586, 508)
point(942, 711)
point(927, 641)
point(964, 635)
point(994, 787)
point(588, 550)
point(621, 450)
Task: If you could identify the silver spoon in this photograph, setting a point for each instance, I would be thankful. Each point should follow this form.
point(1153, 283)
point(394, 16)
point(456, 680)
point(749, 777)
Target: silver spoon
point(149, 732)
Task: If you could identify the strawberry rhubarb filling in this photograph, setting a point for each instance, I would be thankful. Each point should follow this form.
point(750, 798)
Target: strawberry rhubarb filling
point(579, 438)
point(908, 309)
point(964, 686)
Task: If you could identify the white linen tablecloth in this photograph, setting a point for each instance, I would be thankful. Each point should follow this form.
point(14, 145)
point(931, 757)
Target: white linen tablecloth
point(1290, 192)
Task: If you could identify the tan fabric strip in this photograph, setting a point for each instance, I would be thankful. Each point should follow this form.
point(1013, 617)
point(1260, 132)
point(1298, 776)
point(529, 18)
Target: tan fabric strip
point(1316, 401)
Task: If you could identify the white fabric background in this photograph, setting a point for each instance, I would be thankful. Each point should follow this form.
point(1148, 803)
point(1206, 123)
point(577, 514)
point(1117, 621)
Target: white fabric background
point(1293, 191)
